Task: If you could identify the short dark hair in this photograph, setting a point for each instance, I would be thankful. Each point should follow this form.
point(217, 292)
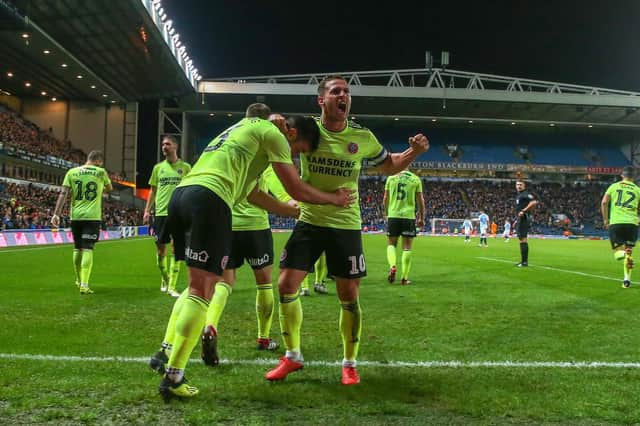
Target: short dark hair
point(95, 155)
point(258, 110)
point(322, 86)
point(307, 129)
point(628, 172)
point(171, 139)
point(521, 181)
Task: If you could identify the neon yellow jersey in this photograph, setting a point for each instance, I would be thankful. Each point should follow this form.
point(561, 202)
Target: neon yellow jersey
point(165, 177)
point(231, 163)
point(623, 207)
point(249, 217)
point(86, 184)
point(336, 164)
point(401, 195)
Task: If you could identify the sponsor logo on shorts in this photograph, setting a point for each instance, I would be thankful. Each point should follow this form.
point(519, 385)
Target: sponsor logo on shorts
point(352, 147)
point(89, 236)
point(223, 262)
point(260, 260)
point(283, 256)
point(198, 256)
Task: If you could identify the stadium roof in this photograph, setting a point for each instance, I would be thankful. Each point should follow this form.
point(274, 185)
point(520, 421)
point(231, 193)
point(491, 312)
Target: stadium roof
point(438, 94)
point(106, 51)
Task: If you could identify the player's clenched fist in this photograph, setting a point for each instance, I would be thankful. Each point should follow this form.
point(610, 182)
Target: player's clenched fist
point(419, 143)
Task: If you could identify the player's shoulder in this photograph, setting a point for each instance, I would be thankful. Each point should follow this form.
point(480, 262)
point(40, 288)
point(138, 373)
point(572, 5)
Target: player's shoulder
point(357, 127)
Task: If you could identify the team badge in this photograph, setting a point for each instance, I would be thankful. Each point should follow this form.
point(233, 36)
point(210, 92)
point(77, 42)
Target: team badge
point(223, 262)
point(352, 147)
point(179, 171)
point(283, 256)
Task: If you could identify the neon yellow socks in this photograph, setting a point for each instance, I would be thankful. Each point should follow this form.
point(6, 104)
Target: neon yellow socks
point(406, 264)
point(162, 266)
point(291, 321)
point(167, 341)
point(85, 266)
point(174, 268)
point(350, 328)
point(391, 256)
point(321, 268)
point(77, 264)
point(218, 303)
point(188, 329)
point(264, 309)
point(627, 270)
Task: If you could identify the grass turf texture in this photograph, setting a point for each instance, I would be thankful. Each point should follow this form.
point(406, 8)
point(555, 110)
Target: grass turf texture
point(460, 307)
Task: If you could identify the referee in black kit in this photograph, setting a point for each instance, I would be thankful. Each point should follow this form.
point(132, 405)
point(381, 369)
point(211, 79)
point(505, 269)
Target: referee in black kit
point(524, 203)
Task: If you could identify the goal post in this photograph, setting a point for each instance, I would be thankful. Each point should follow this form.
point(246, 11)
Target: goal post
point(443, 226)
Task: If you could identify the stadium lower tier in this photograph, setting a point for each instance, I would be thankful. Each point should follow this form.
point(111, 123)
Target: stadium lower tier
point(562, 208)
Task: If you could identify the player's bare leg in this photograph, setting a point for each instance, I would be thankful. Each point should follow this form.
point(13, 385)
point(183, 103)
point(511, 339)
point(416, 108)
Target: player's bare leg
point(290, 323)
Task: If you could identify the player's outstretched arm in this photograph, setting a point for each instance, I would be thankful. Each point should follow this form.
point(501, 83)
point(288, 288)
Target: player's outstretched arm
point(55, 219)
point(270, 204)
point(604, 209)
point(396, 162)
point(302, 191)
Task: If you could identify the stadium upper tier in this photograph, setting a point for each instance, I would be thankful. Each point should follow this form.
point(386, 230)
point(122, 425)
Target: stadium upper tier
point(473, 146)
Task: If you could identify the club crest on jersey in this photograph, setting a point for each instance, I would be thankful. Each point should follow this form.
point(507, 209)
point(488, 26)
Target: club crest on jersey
point(179, 171)
point(352, 147)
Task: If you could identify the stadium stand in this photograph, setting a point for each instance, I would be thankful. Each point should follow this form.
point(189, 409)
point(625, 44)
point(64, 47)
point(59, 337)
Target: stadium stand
point(485, 146)
point(30, 206)
point(18, 132)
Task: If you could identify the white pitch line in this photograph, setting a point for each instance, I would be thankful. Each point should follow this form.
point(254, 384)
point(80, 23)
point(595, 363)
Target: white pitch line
point(549, 268)
point(389, 364)
point(66, 245)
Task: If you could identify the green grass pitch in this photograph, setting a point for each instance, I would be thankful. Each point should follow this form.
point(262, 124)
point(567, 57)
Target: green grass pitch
point(462, 307)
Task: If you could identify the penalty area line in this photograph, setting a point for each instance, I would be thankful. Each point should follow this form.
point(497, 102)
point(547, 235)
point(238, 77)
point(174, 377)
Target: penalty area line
point(389, 364)
point(549, 268)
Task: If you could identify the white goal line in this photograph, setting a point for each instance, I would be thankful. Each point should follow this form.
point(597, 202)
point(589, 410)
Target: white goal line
point(389, 364)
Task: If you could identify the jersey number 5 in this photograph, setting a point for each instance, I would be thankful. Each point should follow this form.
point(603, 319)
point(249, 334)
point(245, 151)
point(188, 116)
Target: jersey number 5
point(402, 194)
point(223, 137)
point(627, 202)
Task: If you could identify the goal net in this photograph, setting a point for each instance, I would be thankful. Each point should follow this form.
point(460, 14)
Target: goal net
point(442, 226)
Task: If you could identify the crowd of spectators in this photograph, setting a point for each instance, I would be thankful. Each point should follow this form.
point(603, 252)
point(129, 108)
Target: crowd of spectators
point(29, 206)
point(21, 133)
point(569, 207)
